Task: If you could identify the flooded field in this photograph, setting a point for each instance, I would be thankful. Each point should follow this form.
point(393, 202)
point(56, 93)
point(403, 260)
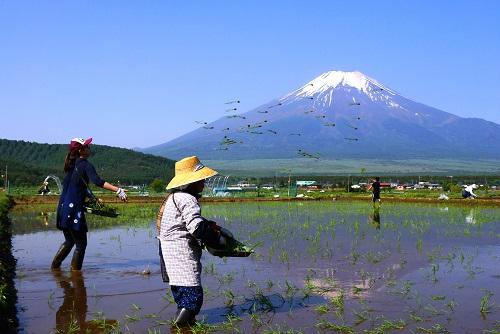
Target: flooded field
point(319, 267)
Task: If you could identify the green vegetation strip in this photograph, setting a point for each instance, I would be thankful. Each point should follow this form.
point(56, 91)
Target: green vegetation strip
point(8, 296)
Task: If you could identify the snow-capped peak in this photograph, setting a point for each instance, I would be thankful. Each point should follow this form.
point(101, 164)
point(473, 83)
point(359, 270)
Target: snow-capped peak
point(335, 79)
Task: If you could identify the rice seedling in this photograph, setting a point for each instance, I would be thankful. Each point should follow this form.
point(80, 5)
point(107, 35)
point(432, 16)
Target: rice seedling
point(256, 319)
point(226, 278)
point(452, 305)
point(433, 274)
point(229, 302)
point(135, 307)
point(229, 325)
point(415, 317)
point(386, 326)
point(354, 257)
point(163, 322)
point(361, 316)
point(154, 331)
point(279, 330)
point(168, 298)
point(338, 303)
point(327, 325)
point(251, 284)
point(438, 297)
point(420, 245)
point(209, 269)
point(107, 326)
point(435, 329)
point(262, 303)
point(72, 327)
point(432, 310)
point(131, 318)
point(290, 290)
point(374, 258)
point(201, 328)
point(485, 306)
point(491, 331)
point(322, 309)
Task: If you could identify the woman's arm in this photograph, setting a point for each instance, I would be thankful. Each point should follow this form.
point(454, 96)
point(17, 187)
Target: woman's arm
point(94, 177)
point(119, 191)
point(109, 186)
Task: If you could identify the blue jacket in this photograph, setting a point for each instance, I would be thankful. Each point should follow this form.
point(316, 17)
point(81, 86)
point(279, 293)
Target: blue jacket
point(70, 210)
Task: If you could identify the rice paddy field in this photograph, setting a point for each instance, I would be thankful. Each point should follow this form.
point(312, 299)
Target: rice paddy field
point(318, 267)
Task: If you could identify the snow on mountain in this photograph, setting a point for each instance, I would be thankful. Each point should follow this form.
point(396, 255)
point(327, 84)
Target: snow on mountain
point(339, 114)
point(324, 85)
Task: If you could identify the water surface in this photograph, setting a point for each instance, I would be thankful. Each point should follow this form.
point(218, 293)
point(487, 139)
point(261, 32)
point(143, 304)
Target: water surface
point(317, 266)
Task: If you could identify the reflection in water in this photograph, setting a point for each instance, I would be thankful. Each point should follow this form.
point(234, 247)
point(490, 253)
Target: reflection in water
point(45, 216)
point(375, 217)
point(471, 217)
point(70, 317)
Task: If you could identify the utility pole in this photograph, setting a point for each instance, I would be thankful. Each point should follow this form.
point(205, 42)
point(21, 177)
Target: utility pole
point(289, 181)
point(6, 180)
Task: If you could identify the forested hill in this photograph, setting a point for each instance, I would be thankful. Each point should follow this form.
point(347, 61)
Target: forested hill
point(29, 163)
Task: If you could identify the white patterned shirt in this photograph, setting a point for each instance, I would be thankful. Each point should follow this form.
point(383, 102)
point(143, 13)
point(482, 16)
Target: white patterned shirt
point(181, 251)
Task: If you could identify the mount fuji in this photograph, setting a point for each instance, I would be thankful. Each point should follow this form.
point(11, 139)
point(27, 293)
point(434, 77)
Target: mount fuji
point(339, 115)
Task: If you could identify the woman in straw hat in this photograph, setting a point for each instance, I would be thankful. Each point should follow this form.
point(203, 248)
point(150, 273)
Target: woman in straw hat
point(181, 228)
point(70, 210)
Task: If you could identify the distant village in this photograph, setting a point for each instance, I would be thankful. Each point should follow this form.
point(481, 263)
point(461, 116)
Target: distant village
point(219, 188)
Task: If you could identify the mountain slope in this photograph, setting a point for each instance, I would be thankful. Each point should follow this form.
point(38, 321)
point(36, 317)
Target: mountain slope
point(29, 162)
point(339, 115)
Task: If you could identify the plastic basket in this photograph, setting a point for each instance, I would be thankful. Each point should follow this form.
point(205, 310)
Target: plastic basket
point(234, 248)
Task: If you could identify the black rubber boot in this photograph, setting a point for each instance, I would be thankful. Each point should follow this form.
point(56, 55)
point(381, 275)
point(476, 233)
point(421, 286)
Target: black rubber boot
point(61, 254)
point(77, 260)
point(184, 318)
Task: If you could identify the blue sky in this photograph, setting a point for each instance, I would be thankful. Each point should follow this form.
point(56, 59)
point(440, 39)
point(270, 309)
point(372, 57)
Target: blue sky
point(140, 73)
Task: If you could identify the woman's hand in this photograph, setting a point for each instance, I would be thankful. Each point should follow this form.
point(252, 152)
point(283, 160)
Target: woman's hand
point(121, 194)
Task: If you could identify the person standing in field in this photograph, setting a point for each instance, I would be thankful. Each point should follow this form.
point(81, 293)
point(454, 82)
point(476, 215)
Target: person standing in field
point(70, 210)
point(375, 187)
point(182, 233)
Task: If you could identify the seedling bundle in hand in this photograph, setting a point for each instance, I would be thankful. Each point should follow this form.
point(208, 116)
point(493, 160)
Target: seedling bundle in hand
point(96, 206)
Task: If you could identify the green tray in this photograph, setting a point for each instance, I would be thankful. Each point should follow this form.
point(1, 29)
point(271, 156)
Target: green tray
point(234, 248)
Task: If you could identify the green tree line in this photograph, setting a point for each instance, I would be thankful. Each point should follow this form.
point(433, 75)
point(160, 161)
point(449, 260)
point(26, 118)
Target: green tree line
point(29, 162)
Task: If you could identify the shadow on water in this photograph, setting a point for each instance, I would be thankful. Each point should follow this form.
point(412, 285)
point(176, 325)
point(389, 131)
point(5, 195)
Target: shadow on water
point(71, 315)
point(260, 303)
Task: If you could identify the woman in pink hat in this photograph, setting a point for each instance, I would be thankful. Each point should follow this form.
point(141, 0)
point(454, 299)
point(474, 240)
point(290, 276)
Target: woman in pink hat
point(70, 210)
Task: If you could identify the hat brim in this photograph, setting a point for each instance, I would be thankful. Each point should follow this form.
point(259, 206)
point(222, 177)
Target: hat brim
point(182, 180)
point(87, 141)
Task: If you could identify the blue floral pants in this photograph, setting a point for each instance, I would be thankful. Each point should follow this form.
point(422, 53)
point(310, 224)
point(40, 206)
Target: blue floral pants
point(188, 297)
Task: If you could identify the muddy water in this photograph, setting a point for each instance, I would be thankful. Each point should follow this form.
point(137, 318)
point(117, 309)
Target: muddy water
point(317, 266)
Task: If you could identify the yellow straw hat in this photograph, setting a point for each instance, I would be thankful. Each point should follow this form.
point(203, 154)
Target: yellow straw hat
point(190, 170)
